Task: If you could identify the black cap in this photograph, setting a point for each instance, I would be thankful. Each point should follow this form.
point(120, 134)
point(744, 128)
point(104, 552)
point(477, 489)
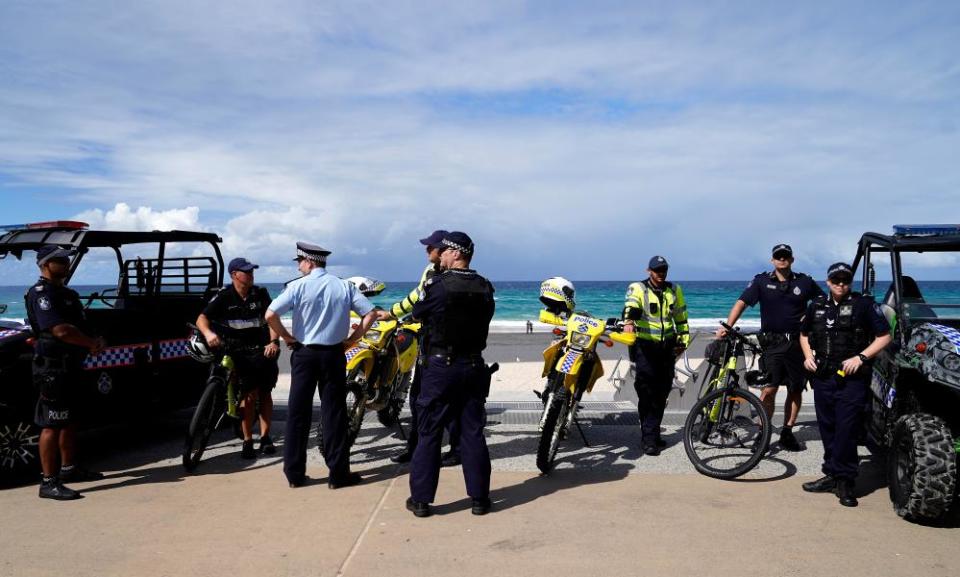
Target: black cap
point(657, 262)
point(51, 251)
point(312, 252)
point(458, 241)
point(241, 263)
point(838, 270)
point(435, 239)
point(782, 248)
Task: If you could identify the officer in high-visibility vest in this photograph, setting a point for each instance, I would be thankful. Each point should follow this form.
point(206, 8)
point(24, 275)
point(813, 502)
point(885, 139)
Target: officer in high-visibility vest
point(657, 312)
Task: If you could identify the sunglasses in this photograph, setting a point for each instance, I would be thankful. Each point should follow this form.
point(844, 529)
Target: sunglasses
point(782, 257)
point(660, 270)
point(841, 281)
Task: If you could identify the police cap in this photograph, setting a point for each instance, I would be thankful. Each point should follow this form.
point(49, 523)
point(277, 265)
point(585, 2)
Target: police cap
point(657, 262)
point(52, 251)
point(458, 241)
point(311, 252)
point(782, 249)
point(840, 271)
point(435, 240)
point(241, 264)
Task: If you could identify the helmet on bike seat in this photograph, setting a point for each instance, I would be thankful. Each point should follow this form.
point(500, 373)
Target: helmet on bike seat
point(368, 287)
point(557, 294)
point(198, 349)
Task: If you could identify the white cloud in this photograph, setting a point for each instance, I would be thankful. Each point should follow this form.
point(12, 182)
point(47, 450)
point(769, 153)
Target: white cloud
point(144, 218)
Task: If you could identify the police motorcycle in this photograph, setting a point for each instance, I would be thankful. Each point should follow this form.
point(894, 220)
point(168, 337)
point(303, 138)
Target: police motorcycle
point(571, 364)
point(379, 368)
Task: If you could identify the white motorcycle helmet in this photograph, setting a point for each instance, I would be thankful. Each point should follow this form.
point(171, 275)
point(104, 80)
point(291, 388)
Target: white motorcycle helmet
point(368, 286)
point(557, 295)
point(198, 349)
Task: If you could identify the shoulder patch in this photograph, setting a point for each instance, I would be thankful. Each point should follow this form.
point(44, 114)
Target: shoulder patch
point(44, 303)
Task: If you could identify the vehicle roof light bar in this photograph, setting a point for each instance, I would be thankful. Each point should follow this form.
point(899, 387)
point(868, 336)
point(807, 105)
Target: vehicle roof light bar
point(59, 224)
point(925, 229)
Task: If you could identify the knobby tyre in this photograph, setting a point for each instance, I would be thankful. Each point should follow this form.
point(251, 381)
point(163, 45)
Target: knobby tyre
point(390, 415)
point(726, 433)
point(552, 429)
point(356, 407)
point(203, 422)
point(922, 468)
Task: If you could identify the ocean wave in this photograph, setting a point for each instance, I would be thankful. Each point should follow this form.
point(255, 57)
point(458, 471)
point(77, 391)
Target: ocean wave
point(702, 324)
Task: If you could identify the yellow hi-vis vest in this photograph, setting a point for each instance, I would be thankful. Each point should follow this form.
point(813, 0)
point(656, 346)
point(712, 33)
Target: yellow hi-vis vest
point(405, 306)
point(657, 318)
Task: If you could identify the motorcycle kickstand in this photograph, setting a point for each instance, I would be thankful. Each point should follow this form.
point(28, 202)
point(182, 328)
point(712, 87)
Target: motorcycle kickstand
point(403, 434)
point(576, 422)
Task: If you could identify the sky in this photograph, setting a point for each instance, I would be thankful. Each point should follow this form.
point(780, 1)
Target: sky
point(566, 138)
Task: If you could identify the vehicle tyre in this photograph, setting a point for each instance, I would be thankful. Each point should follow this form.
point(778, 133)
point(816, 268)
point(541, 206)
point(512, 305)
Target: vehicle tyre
point(922, 467)
point(19, 449)
point(737, 433)
point(552, 430)
point(390, 415)
point(205, 419)
point(356, 407)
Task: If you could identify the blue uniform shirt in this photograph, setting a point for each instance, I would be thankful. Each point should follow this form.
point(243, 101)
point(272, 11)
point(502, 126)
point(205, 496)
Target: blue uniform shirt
point(49, 305)
point(782, 304)
point(321, 305)
point(866, 315)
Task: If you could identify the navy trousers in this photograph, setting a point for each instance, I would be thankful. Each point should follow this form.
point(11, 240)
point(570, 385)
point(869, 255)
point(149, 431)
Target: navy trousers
point(453, 428)
point(654, 362)
point(840, 403)
point(451, 392)
point(311, 367)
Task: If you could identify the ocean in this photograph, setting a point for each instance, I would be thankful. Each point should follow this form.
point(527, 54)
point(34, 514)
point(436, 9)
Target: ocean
point(517, 301)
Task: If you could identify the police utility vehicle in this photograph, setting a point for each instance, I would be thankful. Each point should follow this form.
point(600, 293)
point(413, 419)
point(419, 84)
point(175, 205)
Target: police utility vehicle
point(915, 408)
point(158, 282)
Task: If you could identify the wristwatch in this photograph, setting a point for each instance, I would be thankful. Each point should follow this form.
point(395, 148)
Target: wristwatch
point(863, 358)
point(275, 342)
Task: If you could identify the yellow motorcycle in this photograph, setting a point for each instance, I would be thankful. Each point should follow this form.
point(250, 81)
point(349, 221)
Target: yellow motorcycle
point(379, 369)
point(571, 366)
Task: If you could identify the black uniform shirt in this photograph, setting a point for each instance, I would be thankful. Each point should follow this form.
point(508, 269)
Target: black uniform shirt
point(433, 301)
point(242, 319)
point(49, 305)
point(866, 315)
point(782, 304)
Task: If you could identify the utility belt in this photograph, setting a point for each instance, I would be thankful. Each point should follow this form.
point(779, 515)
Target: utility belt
point(771, 339)
point(50, 375)
point(449, 355)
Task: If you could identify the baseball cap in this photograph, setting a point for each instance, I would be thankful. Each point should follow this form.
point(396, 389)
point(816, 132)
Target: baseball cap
point(435, 239)
point(781, 248)
point(840, 270)
point(51, 251)
point(242, 264)
point(657, 262)
point(458, 241)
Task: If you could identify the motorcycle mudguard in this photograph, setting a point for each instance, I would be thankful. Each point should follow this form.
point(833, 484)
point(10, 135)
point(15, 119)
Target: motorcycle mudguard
point(357, 356)
point(550, 357)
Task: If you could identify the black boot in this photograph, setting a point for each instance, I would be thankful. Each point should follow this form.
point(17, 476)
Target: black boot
point(845, 491)
point(417, 508)
point(403, 457)
point(480, 506)
point(825, 484)
point(53, 489)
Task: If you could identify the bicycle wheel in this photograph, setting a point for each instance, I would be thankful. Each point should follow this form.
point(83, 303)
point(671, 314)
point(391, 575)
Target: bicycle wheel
point(204, 421)
point(552, 430)
point(726, 433)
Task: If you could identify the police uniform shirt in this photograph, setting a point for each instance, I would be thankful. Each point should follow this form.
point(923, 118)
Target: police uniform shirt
point(782, 304)
point(321, 305)
point(433, 302)
point(49, 305)
point(866, 315)
point(243, 319)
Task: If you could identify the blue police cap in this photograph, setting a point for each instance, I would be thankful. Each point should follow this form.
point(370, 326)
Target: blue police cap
point(51, 251)
point(782, 248)
point(840, 270)
point(242, 264)
point(657, 262)
point(311, 252)
point(435, 239)
point(458, 241)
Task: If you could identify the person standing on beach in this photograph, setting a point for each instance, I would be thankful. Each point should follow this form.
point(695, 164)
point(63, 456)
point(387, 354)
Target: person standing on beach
point(839, 336)
point(657, 312)
point(434, 246)
point(456, 310)
point(783, 296)
point(321, 305)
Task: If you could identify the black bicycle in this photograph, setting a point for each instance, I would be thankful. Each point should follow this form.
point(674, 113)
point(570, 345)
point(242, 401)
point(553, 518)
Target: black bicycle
point(218, 404)
point(727, 432)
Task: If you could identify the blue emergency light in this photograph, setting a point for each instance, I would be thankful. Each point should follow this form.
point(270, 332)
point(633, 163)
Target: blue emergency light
point(925, 229)
point(61, 224)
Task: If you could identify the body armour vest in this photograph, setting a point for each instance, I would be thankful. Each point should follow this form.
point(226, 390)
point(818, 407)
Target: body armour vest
point(463, 326)
point(838, 338)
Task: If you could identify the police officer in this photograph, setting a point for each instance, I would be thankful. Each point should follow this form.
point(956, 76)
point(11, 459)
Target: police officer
point(238, 309)
point(839, 337)
point(657, 312)
point(321, 305)
point(783, 296)
point(433, 244)
point(56, 316)
point(456, 310)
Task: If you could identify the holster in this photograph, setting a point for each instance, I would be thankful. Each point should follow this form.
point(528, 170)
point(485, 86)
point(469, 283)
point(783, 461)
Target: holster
point(50, 377)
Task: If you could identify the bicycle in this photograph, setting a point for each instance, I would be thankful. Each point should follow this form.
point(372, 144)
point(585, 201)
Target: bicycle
point(727, 432)
point(219, 401)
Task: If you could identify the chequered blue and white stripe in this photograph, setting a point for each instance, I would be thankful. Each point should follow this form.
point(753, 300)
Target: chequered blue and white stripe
point(952, 334)
point(114, 357)
point(173, 349)
point(568, 361)
point(11, 332)
point(352, 353)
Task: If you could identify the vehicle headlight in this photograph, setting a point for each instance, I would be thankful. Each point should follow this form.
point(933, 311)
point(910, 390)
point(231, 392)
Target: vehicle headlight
point(372, 336)
point(951, 362)
point(580, 339)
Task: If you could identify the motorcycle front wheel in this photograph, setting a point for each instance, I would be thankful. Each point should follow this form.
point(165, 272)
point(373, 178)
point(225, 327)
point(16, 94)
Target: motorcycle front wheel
point(552, 430)
point(356, 408)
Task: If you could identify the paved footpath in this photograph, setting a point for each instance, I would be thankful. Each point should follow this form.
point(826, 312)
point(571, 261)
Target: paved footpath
point(606, 510)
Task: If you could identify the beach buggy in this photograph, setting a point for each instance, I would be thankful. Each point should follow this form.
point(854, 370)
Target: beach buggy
point(158, 282)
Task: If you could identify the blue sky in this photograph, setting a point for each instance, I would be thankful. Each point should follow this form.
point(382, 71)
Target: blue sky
point(567, 138)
